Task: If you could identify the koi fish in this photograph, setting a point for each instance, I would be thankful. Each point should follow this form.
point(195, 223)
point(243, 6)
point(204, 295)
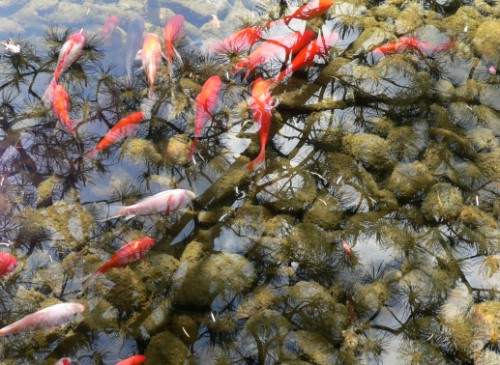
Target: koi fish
point(49, 317)
point(71, 51)
point(165, 202)
point(134, 360)
point(411, 43)
point(347, 249)
point(261, 105)
point(64, 361)
point(306, 56)
point(60, 107)
point(124, 128)
point(310, 10)
point(273, 48)
point(135, 31)
point(7, 263)
point(173, 31)
point(205, 105)
point(151, 55)
point(240, 41)
point(131, 252)
point(109, 28)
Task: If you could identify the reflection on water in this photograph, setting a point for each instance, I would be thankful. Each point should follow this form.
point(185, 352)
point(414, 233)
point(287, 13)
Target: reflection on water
point(369, 235)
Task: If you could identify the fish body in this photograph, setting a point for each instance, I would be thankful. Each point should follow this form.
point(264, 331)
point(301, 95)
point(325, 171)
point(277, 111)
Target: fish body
point(306, 56)
point(60, 107)
point(173, 31)
point(64, 361)
point(7, 263)
point(45, 318)
point(165, 202)
point(109, 27)
point(124, 128)
point(206, 101)
point(135, 36)
point(310, 10)
point(151, 56)
point(411, 43)
point(261, 105)
point(239, 42)
point(133, 360)
point(131, 252)
point(274, 49)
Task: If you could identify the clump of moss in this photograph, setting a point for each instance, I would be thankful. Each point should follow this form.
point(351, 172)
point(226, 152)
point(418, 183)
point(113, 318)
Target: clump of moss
point(165, 348)
point(369, 149)
point(409, 180)
point(326, 211)
point(47, 188)
point(177, 150)
point(129, 293)
point(410, 19)
point(158, 317)
point(330, 140)
point(443, 202)
point(136, 148)
point(475, 217)
point(405, 144)
point(185, 327)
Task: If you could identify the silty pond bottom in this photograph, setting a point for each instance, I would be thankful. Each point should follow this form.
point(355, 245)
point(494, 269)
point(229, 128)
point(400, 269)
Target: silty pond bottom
point(368, 235)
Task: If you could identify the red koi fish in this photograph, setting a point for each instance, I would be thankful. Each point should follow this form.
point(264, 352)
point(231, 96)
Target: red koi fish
point(49, 317)
point(206, 102)
point(7, 263)
point(411, 43)
point(306, 56)
point(151, 55)
point(134, 360)
point(347, 249)
point(173, 31)
point(71, 51)
point(131, 252)
point(60, 107)
point(310, 10)
point(165, 202)
point(240, 41)
point(64, 361)
point(109, 28)
point(274, 48)
point(261, 105)
point(124, 128)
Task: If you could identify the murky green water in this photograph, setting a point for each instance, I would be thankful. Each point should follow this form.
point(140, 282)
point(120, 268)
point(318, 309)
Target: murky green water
point(395, 157)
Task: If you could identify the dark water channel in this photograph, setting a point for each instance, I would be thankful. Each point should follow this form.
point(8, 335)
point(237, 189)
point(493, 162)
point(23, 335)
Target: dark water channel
point(370, 235)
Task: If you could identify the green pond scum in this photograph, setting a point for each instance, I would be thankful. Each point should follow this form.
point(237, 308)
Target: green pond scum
point(370, 235)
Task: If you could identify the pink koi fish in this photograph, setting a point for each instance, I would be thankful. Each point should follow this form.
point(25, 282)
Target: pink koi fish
point(49, 317)
point(206, 102)
point(7, 263)
point(64, 361)
point(109, 28)
point(151, 56)
point(240, 41)
point(165, 202)
point(173, 31)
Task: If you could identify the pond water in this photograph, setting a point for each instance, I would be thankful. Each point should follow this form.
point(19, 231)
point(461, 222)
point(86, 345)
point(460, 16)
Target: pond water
point(369, 234)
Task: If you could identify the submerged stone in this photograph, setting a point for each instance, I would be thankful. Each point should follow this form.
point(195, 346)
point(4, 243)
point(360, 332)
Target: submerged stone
point(326, 212)
point(165, 348)
point(443, 202)
point(369, 149)
point(409, 180)
point(487, 40)
point(177, 150)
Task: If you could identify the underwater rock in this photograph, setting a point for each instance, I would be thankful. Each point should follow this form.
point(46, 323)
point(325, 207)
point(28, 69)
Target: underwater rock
point(165, 348)
point(47, 187)
point(185, 327)
point(330, 140)
point(159, 271)
point(487, 41)
point(369, 39)
point(482, 139)
point(490, 94)
point(486, 317)
point(489, 164)
point(158, 317)
point(410, 18)
point(326, 212)
point(369, 149)
point(405, 143)
point(261, 298)
point(101, 317)
point(475, 217)
point(443, 202)
point(177, 150)
point(129, 293)
point(315, 347)
point(409, 180)
point(140, 149)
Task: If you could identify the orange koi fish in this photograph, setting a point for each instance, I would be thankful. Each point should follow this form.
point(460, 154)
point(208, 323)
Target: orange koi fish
point(310, 10)
point(165, 202)
point(306, 56)
point(411, 43)
point(60, 107)
point(347, 249)
point(134, 360)
point(240, 41)
point(274, 48)
point(151, 55)
point(206, 102)
point(124, 128)
point(49, 317)
point(261, 105)
point(7, 263)
point(64, 361)
point(131, 252)
point(71, 51)
point(109, 28)
point(173, 31)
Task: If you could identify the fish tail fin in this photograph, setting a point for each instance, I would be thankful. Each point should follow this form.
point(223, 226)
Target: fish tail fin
point(192, 148)
point(73, 126)
point(90, 154)
point(258, 161)
point(151, 92)
point(114, 211)
point(287, 19)
point(49, 92)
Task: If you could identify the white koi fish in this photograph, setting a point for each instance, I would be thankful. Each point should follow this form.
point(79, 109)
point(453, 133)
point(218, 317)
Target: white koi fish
point(46, 318)
point(165, 202)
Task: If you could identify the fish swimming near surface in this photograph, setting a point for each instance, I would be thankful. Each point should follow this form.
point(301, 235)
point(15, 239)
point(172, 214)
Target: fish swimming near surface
point(411, 43)
point(165, 202)
point(46, 318)
point(206, 101)
point(126, 127)
point(151, 57)
point(239, 42)
point(310, 10)
point(60, 107)
point(64, 361)
point(71, 51)
point(172, 32)
point(135, 36)
point(133, 360)
point(109, 27)
point(7, 263)
point(261, 104)
point(318, 47)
